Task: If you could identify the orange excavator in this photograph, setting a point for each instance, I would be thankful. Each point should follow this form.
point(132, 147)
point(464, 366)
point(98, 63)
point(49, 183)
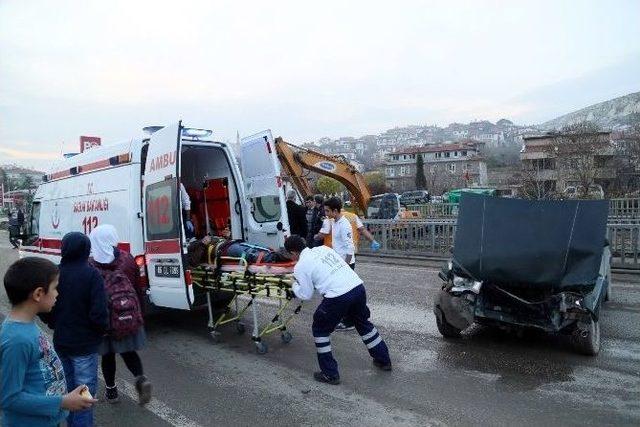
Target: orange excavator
point(297, 161)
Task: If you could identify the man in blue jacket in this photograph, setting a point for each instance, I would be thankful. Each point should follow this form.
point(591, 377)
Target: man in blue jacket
point(79, 319)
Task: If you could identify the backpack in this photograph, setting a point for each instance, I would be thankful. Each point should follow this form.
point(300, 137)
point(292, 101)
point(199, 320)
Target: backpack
point(125, 316)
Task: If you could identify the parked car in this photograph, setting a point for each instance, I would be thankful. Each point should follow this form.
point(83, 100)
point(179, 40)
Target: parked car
point(415, 197)
point(453, 196)
point(553, 277)
point(595, 192)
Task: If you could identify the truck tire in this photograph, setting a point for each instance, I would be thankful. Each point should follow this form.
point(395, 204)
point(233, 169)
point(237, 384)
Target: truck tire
point(445, 328)
point(586, 337)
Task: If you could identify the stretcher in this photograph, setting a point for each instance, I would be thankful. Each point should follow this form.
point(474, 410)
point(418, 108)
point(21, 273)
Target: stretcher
point(248, 284)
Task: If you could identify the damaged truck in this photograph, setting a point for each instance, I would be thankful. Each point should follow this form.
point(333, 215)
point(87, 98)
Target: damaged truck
point(520, 264)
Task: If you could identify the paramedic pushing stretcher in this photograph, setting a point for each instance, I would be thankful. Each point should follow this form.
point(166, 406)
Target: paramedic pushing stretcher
point(322, 269)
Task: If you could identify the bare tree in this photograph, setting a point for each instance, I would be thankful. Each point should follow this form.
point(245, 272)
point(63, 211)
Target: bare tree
point(535, 184)
point(627, 161)
point(578, 150)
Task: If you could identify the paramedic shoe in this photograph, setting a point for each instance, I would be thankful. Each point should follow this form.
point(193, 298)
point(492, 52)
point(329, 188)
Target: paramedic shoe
point(341, 327)
point(143, 387)
point(382, 366)
point(323, 378)
point(111, 394)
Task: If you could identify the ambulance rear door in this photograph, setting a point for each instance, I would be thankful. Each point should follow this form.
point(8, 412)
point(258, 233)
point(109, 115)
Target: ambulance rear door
point(264, 204)
point(162, 214)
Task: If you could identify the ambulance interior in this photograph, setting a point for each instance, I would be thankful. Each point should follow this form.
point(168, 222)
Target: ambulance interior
point(207, 177)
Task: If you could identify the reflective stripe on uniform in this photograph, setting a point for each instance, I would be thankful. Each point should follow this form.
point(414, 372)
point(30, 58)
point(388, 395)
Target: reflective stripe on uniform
point(320, 340)
point(370, 334)
point(374, 342)
point(326, 349)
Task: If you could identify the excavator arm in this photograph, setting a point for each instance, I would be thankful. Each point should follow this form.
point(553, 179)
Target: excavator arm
point(296, 160)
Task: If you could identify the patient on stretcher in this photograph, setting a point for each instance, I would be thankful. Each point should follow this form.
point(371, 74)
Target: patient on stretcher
point(206, 250)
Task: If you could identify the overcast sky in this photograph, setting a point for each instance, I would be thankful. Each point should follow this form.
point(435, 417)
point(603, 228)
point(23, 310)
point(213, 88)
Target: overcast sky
point(303, 69)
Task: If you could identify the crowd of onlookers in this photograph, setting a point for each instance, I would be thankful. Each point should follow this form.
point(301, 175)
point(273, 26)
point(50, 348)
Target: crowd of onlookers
point(92, 301)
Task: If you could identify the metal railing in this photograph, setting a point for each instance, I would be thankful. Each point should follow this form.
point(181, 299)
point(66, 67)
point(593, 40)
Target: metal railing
point(624, 208)
point(435, 238)
point(619, 209)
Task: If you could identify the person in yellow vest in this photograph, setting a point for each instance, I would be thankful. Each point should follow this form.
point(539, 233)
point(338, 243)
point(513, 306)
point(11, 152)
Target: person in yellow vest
point(341, 231)
point(357, 228)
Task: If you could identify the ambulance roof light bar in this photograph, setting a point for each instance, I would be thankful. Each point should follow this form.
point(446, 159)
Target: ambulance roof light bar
point(196, 133)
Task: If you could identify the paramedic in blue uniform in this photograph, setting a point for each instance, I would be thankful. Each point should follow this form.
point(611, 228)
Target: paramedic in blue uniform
point(322, 269)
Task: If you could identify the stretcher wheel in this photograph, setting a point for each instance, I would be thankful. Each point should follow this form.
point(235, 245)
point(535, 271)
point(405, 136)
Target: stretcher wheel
point(215, 336)
point(240, 328)
point(261, 347)
point(286, 337)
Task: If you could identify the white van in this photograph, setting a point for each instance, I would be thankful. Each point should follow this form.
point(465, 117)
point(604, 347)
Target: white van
point(135, 186)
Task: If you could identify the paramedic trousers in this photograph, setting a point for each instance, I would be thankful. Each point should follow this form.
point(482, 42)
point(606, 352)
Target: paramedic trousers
point(329, 313)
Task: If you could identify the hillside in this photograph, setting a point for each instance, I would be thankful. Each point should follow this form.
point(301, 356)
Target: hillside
point(616, 113)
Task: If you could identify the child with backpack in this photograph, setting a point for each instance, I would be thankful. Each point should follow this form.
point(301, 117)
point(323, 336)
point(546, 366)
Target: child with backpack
point(125, 335)
point(33, 387)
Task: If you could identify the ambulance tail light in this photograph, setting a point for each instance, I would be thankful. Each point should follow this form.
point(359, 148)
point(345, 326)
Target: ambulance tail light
point(187, 277)
point(141, 263)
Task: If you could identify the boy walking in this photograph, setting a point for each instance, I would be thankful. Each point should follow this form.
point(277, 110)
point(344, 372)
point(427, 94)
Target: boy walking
point(32, 383)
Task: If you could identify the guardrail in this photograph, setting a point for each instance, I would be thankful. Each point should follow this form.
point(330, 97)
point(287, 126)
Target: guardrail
point(435, 238)
point(628, 208)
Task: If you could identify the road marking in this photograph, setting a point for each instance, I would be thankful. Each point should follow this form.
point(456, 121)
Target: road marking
point(157, 407)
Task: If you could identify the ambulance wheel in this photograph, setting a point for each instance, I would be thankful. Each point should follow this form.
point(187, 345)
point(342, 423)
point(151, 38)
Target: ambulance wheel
point(215, 336)
point(240, 328)
point(286, 337)
point(261, 347)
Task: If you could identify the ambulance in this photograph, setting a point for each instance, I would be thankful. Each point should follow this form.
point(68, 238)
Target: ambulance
point(136, 186)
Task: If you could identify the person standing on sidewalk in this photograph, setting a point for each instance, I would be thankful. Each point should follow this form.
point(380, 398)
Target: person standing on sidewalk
point(324, 270)
point(124, 299)
point(79, 320)
point(314, 220)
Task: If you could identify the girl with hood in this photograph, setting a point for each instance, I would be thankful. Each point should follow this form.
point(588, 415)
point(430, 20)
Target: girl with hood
point(121, 278)
point(79, 319)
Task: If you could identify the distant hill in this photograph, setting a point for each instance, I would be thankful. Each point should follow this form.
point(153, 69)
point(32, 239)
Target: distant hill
point(617, 113)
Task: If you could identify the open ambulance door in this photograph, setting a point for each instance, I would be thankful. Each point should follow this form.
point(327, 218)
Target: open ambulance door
point(264, 203)
point(163, 228)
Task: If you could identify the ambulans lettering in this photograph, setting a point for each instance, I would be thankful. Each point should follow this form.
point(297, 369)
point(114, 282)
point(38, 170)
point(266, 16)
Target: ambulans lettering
point(163, 160)
point(92, 205)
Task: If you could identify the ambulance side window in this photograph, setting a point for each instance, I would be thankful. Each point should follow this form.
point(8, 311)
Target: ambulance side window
point(266, 208)
point(162, 216)
point(34, 222)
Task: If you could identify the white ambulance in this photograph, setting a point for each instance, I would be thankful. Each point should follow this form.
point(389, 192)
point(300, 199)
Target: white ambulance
point(135, 186)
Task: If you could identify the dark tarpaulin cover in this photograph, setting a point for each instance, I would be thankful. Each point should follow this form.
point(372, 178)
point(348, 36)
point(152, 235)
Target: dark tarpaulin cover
point(534, 242)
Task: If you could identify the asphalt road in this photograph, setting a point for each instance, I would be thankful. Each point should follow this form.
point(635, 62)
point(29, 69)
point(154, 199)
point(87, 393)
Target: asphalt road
point(486, 378)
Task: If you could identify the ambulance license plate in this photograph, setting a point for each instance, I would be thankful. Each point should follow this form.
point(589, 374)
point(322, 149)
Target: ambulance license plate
point(167, 271)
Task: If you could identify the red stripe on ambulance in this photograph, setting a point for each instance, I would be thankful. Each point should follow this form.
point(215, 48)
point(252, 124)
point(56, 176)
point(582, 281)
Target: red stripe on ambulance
point(162, 247)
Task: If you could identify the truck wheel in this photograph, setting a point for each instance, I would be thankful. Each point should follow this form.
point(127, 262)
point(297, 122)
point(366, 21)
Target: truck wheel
point(586, 337)
point(445, 328)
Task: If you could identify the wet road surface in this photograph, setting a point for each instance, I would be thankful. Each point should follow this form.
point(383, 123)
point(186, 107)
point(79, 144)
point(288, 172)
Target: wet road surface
point(486, 378)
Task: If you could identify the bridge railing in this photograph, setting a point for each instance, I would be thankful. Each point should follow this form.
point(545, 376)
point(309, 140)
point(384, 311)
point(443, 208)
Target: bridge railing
point(435, 238)
point(627, 208)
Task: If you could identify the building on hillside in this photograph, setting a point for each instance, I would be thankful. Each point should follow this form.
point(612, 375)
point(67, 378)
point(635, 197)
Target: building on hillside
point(16, 174)
point(446, 166)
point(553, 162)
